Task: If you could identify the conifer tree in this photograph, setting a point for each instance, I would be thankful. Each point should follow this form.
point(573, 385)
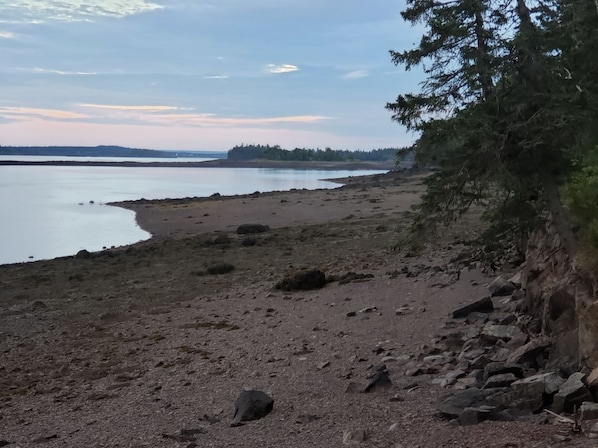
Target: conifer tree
point(506, 100)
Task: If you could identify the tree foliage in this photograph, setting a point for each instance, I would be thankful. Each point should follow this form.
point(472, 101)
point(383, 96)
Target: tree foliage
point(249, 152)
point(509, 95)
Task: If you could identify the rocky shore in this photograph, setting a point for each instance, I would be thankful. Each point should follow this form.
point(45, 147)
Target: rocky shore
point(354, 340)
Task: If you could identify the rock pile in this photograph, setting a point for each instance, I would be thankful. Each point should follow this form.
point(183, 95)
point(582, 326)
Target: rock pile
point(491, 355)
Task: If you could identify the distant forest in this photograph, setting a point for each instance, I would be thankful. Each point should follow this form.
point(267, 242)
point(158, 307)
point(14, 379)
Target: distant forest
point(98, 151)
point(251, 152)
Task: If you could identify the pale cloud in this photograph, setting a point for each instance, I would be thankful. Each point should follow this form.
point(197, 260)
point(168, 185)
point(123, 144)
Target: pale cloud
point(29, 113)
point(216, 77)
point(6, 35)
point(357, 74)
point(284, 68)
point(176, 116)
point(130, 108)
point(54, 72)
point(216, 121)
point(75, 10)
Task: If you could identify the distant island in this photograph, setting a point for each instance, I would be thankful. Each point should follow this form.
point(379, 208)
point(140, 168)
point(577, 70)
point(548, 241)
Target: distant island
point(267, 152)
point(104, 151)
point(241, 156)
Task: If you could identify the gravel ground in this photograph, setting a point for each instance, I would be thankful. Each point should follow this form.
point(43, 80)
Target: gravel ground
point(141, 347)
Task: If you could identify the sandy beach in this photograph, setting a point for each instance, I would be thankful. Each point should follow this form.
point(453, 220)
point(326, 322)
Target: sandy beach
point(149, 346)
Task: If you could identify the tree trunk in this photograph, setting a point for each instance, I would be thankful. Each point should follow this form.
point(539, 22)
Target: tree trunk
point(559, 216)
point(481, 61)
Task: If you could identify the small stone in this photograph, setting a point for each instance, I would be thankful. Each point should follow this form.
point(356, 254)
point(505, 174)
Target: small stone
point(465, 383)
point(252, 405)
point(353, 388)
point(455, 374)
point(403, 310)
point(304, 419)
point(354, 437)
point(369, 309)
point(323, 365)
point(378, 379)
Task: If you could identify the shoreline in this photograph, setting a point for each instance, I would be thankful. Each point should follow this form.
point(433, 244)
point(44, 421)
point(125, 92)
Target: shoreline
point(216, 163)
point(182, 217)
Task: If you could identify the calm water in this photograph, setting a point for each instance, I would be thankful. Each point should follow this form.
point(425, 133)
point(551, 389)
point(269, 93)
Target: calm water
point(49, 211)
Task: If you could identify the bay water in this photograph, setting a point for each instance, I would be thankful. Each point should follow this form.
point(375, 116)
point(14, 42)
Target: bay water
point(53, 211)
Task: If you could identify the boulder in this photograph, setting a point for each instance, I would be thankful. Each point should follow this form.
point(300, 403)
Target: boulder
point(533, 392)
point(484, 305)
point(378, 379)
point(589, 411)
point(516, 279)
point(500, 380)
point(477, 318)
point(492, 333)
point(83, 255)
point(453, 405)
point(590, 429)
point(302, 280)
point(252, 405)
point(592, 382)
point(475, 415)
point(244, 229)
point(497, 368)
point(542, 383)
point(587, 314)
point(501, 287)
point(571, 394)
point(529, 352)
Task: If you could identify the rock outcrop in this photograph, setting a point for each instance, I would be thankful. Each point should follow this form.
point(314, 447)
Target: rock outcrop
point(563, 301)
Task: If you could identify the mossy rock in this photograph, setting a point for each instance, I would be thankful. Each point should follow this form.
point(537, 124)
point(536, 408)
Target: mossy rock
point(244, 229)
point(220, 268)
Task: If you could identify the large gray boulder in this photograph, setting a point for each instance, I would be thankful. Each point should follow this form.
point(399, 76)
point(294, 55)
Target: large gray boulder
point(571, 394)
point(529, 352)
point(484, 305)
point(453, 405)
point(501, 287)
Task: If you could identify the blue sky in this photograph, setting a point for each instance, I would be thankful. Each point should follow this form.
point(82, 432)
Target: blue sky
point(202, 74)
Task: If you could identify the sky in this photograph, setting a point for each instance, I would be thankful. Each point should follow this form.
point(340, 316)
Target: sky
point(202, 74)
